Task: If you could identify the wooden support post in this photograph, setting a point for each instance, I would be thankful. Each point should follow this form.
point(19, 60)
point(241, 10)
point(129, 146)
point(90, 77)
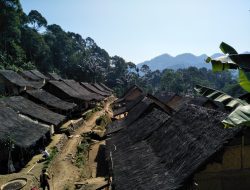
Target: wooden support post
point(242, 151)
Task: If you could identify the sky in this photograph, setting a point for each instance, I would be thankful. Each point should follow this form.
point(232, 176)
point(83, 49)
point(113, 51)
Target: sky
point(139, 30)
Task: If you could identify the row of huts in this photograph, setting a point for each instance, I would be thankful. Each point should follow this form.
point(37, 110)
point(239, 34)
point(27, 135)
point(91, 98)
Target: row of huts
point(174, 142)
point(34, 106)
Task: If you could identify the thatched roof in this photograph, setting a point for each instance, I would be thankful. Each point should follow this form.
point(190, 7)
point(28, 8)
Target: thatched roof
point(50, 100)
point(54, 76)
point(39, 74)
point(165, 157)
point(105, 87)
point(64, 91)
point(128, 106)
point(165, 97)
point(35, 111)
point(94, 89)
point(177, 101)
point(14, 78)
point(99, 87)
point(23, 132)
point(29, 75)
point(129, 92)
point(206, 102)
point(142, 107)
point(82, 91)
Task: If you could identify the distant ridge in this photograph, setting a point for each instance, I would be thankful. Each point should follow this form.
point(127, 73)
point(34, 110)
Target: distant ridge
point(181, 61)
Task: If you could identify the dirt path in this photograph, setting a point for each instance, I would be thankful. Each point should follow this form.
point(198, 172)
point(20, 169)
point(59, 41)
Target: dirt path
point(63, 171)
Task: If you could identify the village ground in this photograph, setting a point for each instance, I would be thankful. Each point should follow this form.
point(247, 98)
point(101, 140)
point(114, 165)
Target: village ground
point(63, 170)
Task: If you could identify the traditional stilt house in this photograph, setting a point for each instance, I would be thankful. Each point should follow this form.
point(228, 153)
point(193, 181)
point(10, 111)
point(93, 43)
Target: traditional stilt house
point(36, 78)
point(106, 88)
point(83, 91)
point(54, 76)
point(126, 107)
point(28, 75)
point(144, 106)
point(94, 89)
point(130, 95)
point(99, 87)
point(34, 111)
point(161, 152)
point(50, 101)
point(69, 94)
point(12, 83)
point(39, 74)
point(20, 140)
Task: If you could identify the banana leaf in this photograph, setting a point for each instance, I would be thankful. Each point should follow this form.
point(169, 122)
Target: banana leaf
point(221, 97)
point(239, 117)
point(232, 60)
point(244, 79)
point(227, 49)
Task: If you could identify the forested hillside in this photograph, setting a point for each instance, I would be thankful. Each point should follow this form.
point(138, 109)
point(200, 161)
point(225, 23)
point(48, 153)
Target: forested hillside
point(27, 42)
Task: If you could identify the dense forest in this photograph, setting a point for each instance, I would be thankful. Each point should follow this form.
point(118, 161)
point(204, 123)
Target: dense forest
point(28, 42)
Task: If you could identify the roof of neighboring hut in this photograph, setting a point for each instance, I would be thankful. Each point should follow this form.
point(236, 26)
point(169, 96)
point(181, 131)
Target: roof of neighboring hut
point(142, 107)
point(106, 87)
point(50, 100)
point(128, 106)
point(35, 111)
point(99, 87)
point(165, 156)
point(83, 91)
point(203, 101)
point(14, 78)
point(29, 75)
point(177, 101)
point(39, 74)
point(165, 97)
point(94, 89)
point(128, 93)
point(21, 131)
point(54, 76)
point(66, 89)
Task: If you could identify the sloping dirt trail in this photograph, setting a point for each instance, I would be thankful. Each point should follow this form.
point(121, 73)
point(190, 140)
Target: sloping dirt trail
point(62, 170)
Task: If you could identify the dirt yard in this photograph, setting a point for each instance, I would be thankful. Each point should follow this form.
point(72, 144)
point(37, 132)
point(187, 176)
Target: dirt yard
point(63, 171)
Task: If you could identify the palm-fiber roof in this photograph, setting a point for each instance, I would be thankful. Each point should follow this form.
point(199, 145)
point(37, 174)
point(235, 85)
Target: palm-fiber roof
point(64, 90)
point(39, 74)
point(130, 91)
point(54, 76)
point(50, 100)
point(94, 89)
point(106, 87)
point(99, 87)
point(143, 106)
point(23, 132)
point(29, 75)
point(83, 91)
point(14, 78)
point(165, 157)
point(128, 106)
point(35, 111)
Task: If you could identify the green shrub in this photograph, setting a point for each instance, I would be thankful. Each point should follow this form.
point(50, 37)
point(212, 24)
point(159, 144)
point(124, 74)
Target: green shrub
point(82, 152)
point(52, 155)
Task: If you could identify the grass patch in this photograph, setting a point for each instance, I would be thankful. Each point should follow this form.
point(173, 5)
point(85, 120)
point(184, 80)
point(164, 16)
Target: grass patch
point(87, 115)
point(102, 122)
point(82, 152)
point(52, 155)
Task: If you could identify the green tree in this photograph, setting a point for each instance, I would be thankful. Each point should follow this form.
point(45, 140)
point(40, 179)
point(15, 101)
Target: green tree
point(36, 19)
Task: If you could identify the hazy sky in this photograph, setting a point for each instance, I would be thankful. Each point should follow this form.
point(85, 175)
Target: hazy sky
point(138, 30)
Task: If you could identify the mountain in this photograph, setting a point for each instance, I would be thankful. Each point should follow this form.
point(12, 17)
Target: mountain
point(181, 61)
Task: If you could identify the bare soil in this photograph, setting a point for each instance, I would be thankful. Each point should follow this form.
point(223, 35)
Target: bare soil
point(62, 169)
